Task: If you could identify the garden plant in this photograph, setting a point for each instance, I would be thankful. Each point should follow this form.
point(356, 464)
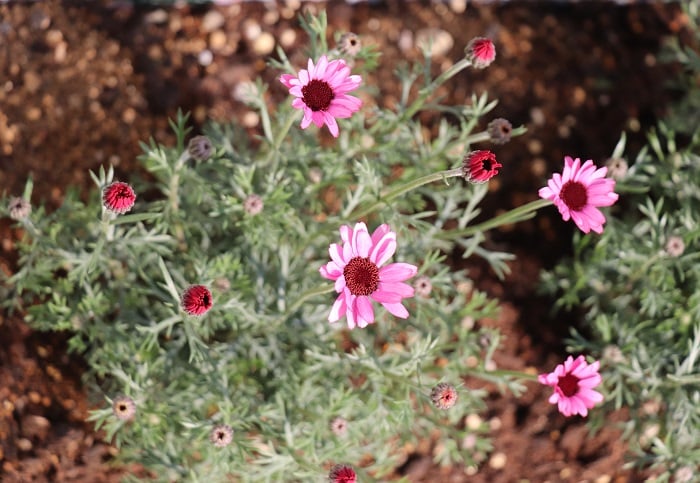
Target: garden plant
point(285, 308)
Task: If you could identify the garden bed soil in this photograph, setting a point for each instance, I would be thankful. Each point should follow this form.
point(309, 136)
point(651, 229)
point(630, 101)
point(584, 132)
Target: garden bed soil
point(82, 84)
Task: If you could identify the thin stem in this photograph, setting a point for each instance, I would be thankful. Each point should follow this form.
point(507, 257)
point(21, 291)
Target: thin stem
point(280, 137)
point(304, 297)
point(405, 188)
point(520, 213)
point(430, 88)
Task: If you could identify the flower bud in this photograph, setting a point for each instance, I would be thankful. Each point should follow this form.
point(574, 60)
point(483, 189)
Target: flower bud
point(480, 52)
point(196, 300)
point(342, 474)
point(118, 197)
point(480, 166)
point(19, 208)
point(444, 395)
point(339, 426)
point(675, 246)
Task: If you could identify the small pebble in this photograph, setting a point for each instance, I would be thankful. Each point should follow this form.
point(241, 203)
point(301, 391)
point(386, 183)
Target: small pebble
point(212, 20)
point(264, 44)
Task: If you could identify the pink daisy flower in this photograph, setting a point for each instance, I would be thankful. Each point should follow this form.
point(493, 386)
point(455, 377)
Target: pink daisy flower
point(196, 300)
point(481, 52)
point(579, 191)
point(573, 384)
point(355, 268)
point(321, 91)
point(118, 197)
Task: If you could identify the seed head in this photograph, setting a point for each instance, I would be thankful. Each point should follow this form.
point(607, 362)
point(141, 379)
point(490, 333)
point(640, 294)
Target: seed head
point(200, 148)
point(221, 435)
point(349, 44)
point(617, 168)
point(339, 426)
point(19, 208)
point(422, 286)
point(500, 130)
point(124, 408)
point(675, 246)
point(253, 205)
point(444, 395)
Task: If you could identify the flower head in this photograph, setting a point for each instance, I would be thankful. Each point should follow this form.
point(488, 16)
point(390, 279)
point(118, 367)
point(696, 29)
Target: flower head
point(221, 435)
point(500, 130)
point(480, 166)
point(480, 52)
point(124, 408)
point(118, 197)
point(196, 300)
point(200, 148)
point(19, 208)
point(579, 191)
point(342, 474)
point(355, 268)
point(321, 91)
point(444, 395)
point(573, 384)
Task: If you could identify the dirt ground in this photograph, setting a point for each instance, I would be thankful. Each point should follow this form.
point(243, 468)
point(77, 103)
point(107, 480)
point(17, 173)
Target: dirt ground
point(82, 83)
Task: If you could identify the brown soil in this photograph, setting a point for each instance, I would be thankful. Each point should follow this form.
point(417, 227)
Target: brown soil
point(81, 85)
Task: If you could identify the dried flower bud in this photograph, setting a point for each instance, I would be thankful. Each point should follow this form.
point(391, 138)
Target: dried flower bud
point(221, 435)
point(200, 148)
point(480, 166)
point(339, 426)
point(118, 197)
point(444, 395)
point(124, 408)
point(19, 208)
point(253, 205)
point(222, 284)
point(617, 168)
point(613, 354)
point(481, 52)
point(349, 44)
point(500, 130)
point(196, 300)
point(342, 474)
point(675, 246)
point(422, 286)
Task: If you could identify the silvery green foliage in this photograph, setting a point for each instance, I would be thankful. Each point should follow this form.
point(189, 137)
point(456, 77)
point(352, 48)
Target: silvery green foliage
point(265, 360)
point(641, 300)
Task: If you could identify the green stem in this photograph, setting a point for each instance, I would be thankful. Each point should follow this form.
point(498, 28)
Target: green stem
point(520, 213)
point(304, 297)
point(280, 137)
point(507, 373)
point(430, 88)
point(405, 188)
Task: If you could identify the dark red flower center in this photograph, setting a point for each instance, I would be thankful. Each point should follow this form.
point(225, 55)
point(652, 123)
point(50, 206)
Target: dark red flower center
point(568, 385)
point(361, 276)
point(317, 95)
point(574, 195)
